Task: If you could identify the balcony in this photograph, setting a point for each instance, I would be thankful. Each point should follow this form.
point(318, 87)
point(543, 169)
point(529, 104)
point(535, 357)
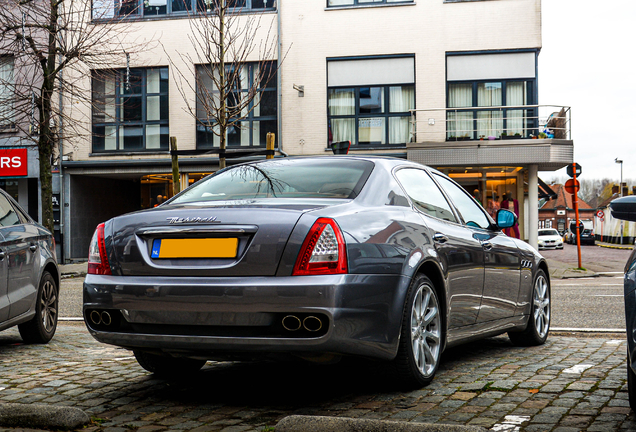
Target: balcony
point(504, 135)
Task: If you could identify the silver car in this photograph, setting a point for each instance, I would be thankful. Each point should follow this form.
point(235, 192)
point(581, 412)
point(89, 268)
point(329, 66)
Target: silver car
point(316, 257)
point(29, 276)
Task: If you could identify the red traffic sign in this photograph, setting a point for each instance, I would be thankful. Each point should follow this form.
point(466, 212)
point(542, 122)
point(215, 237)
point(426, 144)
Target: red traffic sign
point(572, 186)
point(600, 214)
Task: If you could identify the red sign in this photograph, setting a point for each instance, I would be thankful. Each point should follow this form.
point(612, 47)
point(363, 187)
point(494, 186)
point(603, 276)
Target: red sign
point(572, 186)
point(13, 162)
point(600, 214)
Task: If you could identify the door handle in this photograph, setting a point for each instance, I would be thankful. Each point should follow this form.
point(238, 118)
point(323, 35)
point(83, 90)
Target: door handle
point(486, 245)
point(440, 238)
point(33, 247)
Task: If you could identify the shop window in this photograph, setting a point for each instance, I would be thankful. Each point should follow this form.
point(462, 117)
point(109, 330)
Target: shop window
point(130, 110)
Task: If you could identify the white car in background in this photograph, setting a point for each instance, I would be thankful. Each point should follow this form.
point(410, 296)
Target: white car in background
point(550, 238)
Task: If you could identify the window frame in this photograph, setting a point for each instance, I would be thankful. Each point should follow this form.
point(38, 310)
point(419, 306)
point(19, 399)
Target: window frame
point(457, 220)
point(119, 122)
point(363, 3)
point(357, 115)
point(271, 87)
point(8, 104)
point(136, 9)
point(533, 122)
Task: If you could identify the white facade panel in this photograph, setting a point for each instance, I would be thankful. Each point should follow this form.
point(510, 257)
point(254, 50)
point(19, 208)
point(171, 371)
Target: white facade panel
point(371, 72)
point(491, 66)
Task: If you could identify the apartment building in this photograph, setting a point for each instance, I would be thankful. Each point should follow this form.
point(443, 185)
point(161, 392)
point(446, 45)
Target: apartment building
point(448, 83)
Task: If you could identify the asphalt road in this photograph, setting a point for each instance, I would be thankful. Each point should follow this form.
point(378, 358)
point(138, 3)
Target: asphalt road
point(581, 303)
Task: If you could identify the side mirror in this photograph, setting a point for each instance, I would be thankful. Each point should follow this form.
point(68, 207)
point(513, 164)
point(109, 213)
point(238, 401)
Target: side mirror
point(506, 218)
point(624, 208)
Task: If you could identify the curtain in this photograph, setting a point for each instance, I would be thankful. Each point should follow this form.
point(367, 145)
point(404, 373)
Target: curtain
point(516, 95)
point(489, 123)
point(460, 123)
point(401, 99)
point(6, 91)
point(342, 102)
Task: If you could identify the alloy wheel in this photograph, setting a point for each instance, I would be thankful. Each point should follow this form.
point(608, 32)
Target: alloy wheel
point(48, 306)
point(541, 306)
point(425, 330)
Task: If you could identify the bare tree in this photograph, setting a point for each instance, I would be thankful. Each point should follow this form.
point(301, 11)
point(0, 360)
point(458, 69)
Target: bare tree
point(225, 41)
point(48, 48)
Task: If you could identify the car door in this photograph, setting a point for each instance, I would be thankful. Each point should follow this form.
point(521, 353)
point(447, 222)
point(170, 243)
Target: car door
point(460, 254)
point(502, 262)
point(4, 297)
point(21, 255)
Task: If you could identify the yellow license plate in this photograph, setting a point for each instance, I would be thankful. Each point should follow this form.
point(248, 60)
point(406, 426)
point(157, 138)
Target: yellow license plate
point(195, 248)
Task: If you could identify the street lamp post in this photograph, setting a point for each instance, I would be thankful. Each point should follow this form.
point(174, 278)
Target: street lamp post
point(619, 161)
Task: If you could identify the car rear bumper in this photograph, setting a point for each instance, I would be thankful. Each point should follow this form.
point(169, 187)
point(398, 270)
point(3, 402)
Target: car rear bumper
point(213, 317)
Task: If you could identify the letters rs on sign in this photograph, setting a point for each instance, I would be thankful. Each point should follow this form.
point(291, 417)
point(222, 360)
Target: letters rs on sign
point(13, 162)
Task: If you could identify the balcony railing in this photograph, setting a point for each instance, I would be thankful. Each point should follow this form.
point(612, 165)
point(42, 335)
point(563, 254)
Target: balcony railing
point(491, 123)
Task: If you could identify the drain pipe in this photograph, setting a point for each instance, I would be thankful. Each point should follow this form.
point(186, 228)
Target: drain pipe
point(279, 81)
point(60, 134)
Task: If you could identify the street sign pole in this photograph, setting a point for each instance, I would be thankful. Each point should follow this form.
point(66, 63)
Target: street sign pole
point(575, 201)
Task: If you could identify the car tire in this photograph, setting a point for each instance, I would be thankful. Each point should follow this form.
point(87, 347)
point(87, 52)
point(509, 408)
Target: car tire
point(538, 327)
point(631, 386)
point(168, 366)
point(41, 328)
point(421, 337)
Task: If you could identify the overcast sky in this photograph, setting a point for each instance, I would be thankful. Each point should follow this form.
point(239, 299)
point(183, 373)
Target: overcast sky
point(587, 62)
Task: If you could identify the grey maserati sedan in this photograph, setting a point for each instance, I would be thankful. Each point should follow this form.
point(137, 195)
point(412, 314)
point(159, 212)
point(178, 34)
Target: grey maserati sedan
point(319, 258)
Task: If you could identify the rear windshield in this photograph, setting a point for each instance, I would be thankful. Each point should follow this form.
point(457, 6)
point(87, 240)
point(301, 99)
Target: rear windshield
point(548, 232)
point(283, 178)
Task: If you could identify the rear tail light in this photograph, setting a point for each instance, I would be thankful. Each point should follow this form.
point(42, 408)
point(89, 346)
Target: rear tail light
point(97, 258)
point(323, 251)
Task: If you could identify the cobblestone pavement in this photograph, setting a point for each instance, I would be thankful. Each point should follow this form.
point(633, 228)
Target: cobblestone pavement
point(573, 383)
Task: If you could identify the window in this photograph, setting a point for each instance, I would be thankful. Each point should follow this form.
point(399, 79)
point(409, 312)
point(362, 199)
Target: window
point(481, 86)
point(130, 110)
point(369, 101)
point(335, 3)
point(8, 215)
point(470, 211)
point(425, 194)
point(107, 9)
point(287, 179)
point(486, 121)
point(6, 93)
point(256, 119)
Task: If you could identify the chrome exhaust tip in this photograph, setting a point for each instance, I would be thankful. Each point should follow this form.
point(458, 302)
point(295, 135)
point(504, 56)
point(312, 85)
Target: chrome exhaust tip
point(106, 318)
point(95, 317)
point(312, 324)
point(291, 323)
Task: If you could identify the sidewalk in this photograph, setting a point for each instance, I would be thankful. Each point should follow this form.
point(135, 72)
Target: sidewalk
point(73, 270)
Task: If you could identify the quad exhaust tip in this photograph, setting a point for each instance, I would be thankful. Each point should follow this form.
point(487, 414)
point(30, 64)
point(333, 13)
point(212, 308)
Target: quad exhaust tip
point(293, 323)
point(99, 318)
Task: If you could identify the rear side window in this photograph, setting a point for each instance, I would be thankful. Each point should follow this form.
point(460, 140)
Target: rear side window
point(286, 178)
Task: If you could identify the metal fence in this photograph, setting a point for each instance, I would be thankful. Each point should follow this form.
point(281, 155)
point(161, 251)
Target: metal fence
point(490, 123)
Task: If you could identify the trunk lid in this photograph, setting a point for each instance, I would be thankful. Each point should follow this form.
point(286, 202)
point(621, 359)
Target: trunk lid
point(238, 238)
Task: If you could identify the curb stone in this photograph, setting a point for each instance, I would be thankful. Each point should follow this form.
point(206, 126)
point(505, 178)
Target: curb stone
point(301, 423)
point(42, 416)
